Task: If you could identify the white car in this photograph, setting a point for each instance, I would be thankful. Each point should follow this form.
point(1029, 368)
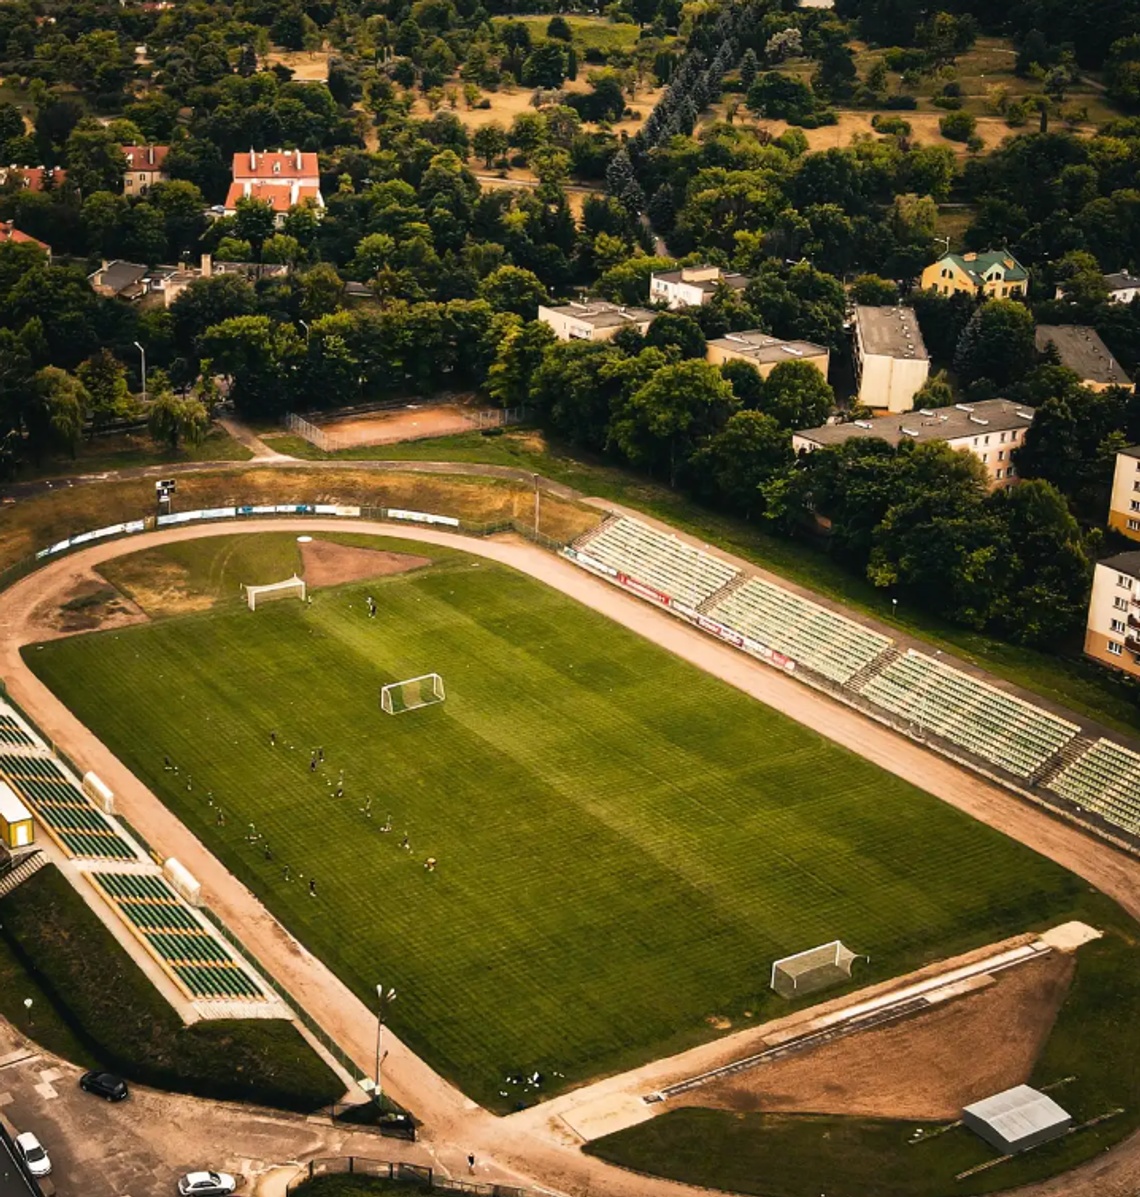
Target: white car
point(206, 1184)
point(31, 1154)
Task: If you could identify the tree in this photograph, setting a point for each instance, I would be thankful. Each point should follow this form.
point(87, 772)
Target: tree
point(559, 28)
point(780, 97)
point(209, 301)
point(679, 331)
point(573, 388)
point(998, 343)
point(105, 380)
point(545, 66)
point(253, 221)
point(176, 419)
point(749, 68)
point(518, 353)
point(874, 291)
point(936, 391)
point(490, 142)
point(796, 395)
point(95, 160)
point(746, 382)
point(261, 358)
point(1078, 273)
point(513, 289)
point(60, 402)
point(732, 465)
point(662, 423)
point(958, 126)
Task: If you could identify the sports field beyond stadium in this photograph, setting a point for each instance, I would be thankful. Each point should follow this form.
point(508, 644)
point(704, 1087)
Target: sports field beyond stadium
point(624, 842)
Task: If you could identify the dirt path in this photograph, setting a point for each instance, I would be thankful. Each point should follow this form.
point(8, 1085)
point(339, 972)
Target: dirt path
point(243, 433)
point(519, 1146)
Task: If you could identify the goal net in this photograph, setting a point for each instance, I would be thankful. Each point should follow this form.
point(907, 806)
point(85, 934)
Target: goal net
point(423, 691)
point(813, 970)
point(275, 590)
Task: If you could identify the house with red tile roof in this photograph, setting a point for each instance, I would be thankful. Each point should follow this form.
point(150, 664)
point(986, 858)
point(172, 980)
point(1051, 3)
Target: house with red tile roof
point(282, 179)
point(9, 232)
point(34, 178)
point(146, 166)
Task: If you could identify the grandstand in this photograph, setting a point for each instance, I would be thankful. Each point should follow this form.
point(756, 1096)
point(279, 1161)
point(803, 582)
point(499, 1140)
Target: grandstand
point(988, 722)
point(811, 635)
point(174, 934)
point(1105, 779)
point(12, 733)
point(660, 561)
point(64, 809)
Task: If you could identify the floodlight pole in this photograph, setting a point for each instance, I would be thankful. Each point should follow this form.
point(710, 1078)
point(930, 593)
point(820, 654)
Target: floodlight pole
point(536, 505)
point(142, 351)
point(382, 1000)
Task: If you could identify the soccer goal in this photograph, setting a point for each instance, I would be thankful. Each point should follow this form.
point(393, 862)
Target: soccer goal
point(813, 970)
point(416, 692)
point(275, 590)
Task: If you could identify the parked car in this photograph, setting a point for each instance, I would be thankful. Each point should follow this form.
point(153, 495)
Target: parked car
point(31, 1154)
point(206, 1184)
point(105, 1085)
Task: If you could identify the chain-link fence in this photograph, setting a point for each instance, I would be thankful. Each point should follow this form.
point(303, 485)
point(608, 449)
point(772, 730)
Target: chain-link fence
point(414, 1175)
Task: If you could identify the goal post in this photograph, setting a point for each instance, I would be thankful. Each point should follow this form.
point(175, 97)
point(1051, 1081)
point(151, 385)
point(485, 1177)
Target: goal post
point(817, 968)
point(423, 691)
point(275, 590)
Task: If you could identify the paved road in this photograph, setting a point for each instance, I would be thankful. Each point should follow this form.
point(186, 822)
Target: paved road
point(521, 1146)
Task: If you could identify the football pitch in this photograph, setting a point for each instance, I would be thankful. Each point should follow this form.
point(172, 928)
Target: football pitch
point(624, 844)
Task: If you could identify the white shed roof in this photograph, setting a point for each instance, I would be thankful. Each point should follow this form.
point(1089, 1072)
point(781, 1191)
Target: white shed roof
point(12, 810)
point(1018, 1112)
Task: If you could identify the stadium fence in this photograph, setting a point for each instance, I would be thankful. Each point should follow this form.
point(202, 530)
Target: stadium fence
point(421, 1175)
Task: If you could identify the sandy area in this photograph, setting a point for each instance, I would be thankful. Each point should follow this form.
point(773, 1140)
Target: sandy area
point(329, 564)
point(924, 1067)
point(86, 603)
point(407, 424)
point(305, 64)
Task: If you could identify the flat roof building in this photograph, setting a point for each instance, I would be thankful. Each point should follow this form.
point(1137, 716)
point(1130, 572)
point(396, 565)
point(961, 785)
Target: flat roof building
point(891, 362)
point(692, 286)
point(1017, 1119)
point(1124, 503)
point(1112, 630)
point(596, 320)
point(1082, 351)
point(765, 352)
point(991, 430)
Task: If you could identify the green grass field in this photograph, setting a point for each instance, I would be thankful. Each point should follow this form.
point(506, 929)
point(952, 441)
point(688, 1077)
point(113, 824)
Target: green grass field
point(589, 33)
point(624, 843)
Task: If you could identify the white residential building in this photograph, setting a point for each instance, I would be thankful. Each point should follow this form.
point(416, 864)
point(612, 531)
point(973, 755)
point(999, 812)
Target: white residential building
point(692, 286)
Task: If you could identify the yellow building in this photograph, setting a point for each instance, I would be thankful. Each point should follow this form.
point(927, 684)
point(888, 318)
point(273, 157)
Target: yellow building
point(995, 274)
point(1112, 635)
point(1124, 505)
point(16, 829)
point(764, 352)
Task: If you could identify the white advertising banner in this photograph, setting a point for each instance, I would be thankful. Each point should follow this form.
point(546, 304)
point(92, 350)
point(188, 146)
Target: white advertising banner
point(422, 517)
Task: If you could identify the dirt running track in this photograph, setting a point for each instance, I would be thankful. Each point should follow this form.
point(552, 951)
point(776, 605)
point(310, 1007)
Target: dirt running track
point(521, 1146)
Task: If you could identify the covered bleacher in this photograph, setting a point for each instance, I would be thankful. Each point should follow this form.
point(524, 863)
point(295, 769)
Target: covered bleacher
point(811, 635)
point(986, 721)
point(661, 561)
point(1104, 779)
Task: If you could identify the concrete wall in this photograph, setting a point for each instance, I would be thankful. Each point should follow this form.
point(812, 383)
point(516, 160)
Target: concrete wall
point(890, 383)
point(1125, 482)
point(570, 328)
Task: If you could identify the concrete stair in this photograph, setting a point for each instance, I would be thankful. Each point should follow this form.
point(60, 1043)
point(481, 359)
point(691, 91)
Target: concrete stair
point(23, 867)
point(872, 669)
point(1076, 747)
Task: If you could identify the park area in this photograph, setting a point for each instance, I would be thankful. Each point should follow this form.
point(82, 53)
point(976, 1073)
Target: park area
point(623, 843)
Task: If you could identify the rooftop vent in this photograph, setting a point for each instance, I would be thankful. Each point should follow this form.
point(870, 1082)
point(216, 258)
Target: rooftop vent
point(864, 424)
point(978, 420)
point(963, 407)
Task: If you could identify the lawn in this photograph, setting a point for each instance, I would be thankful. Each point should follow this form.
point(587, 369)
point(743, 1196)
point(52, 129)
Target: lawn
point(624, 843)
point(112, 1017)
point(588, 33)
point(1096, 1040)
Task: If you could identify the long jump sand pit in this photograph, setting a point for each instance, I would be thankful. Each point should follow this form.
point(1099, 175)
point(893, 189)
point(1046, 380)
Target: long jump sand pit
point(329, 564)
point(926, 1067)
point(403, 424)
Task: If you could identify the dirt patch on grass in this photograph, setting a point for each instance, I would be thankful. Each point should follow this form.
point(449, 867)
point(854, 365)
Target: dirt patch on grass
point(331, 564)
point(86, 604)
point(411, 423)
point(925, 1067)
point(158, 585)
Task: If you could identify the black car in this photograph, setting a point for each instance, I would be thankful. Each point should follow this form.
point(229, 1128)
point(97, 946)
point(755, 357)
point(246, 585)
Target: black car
point(104, 1084)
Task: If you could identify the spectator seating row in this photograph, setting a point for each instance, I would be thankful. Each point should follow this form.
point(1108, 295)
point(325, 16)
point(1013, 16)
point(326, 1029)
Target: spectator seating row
point(64, 808)
point(659, 560)
point(988, 722)
point(12, 731)
point(174, 934)
point(1105, 779)
point(811, 635)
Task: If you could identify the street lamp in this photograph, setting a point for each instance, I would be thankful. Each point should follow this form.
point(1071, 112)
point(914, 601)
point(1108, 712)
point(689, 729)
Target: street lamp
point(536, 500)
point(305, 324)
point(143, 352)
point(382, 1000)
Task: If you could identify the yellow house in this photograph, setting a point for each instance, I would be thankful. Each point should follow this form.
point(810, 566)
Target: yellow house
point(996, 274)
point(16, 828)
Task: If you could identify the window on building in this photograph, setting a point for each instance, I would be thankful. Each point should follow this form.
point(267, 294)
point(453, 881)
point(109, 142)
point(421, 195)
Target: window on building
point(987, 440)
point(1134, 525)
point(1134, 505)
point(1115, 649)
point(1011, 472)
point(998, 474)
point(1003, 438)
point(1118, 626)
point(1001, 455)
point(985, 457)
point(1121, 604)
point(1124, 581)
